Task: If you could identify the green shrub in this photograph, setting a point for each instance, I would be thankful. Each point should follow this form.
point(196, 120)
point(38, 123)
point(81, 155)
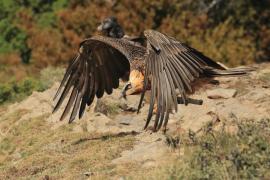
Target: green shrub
point(12, 90)
point(16, 91)
point(26, 86)
point(5, 93)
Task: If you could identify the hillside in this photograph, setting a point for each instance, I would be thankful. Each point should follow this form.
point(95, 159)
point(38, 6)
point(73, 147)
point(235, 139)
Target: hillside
point(227, 137)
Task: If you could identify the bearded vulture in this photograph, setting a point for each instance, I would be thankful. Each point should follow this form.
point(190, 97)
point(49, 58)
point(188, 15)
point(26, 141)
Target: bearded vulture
point(165, 63)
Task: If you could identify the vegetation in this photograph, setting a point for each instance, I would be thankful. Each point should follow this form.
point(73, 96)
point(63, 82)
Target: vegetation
point(17, 90)
point(234, 150)
point(243, 152)
point(47, 33)
point(63, 154)
point(38, 34)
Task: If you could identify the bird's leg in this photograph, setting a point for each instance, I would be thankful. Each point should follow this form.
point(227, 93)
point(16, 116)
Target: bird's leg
point(128, 89)
point(190, 101)
point(135, 84)
point(135, 89)
point(124, 90)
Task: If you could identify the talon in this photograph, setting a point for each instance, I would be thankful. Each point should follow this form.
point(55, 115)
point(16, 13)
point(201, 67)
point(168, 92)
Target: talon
point(124, 90)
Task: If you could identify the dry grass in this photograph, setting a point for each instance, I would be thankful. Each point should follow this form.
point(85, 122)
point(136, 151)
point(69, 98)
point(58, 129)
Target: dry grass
point(32, 150)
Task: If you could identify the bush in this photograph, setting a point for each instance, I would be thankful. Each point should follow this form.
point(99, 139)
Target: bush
point(16, 91)
point(5, 93)
point(26, 86)
point(244, 154)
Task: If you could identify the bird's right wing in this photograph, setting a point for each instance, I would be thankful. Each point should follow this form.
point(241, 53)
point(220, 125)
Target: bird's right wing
point(172, 65)
point(96, 69)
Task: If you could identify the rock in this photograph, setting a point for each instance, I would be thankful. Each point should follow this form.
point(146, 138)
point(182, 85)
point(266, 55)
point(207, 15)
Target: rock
point(148, 150)
point(221, 93)
point(122, 178)
point(102, 124)
point(126, 121)
point(46, 177)
point(149, 164)
point(129, 122)
point(17, 155)
point(142, 152)
point(130, 104)
point(233, 109)
point(78, 129)
point(258, 95)
point(88, 174)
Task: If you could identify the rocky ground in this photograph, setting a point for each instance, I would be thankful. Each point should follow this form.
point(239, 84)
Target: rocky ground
point(109, 141)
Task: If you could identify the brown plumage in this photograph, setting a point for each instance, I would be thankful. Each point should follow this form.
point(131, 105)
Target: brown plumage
point(166, 64)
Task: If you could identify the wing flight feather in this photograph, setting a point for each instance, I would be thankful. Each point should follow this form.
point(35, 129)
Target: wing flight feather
point(170, 65)
point(96, 69)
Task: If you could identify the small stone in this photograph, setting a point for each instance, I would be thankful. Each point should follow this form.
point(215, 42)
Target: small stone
point(17, 155)
point(88, 174)
point(77, 129)
point(122, 178)
point(149, 164)
point(221, 93)
point(125, 122)
point(126, 119)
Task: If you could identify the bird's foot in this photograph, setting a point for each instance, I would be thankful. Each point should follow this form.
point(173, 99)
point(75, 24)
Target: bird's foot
point(124, 90)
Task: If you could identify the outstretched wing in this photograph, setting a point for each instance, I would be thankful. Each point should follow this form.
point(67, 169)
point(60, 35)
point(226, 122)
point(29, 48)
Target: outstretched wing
point(96, 69)
point(170, 65)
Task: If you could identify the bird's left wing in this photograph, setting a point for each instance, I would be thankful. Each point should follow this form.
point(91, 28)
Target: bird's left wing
point(170, 65)
point(96, 69)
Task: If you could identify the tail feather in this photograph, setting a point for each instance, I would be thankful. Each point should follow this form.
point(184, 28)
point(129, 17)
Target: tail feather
point(212, 72)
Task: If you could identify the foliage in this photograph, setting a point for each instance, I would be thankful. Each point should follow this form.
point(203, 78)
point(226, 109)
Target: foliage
point(16, 91)
point(222, 155)
point(5, 93)
point(12, 38)
point(47, 33)
point(44, 12)
point(252, 16)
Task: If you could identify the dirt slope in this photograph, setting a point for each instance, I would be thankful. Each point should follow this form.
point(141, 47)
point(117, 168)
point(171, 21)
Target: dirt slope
point(108, 142)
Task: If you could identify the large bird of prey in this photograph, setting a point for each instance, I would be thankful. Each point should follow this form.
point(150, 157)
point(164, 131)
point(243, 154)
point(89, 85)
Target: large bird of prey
point(169, 68)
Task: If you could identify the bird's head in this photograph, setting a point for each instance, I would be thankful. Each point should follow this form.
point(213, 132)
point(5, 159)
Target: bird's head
point(110, 27)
